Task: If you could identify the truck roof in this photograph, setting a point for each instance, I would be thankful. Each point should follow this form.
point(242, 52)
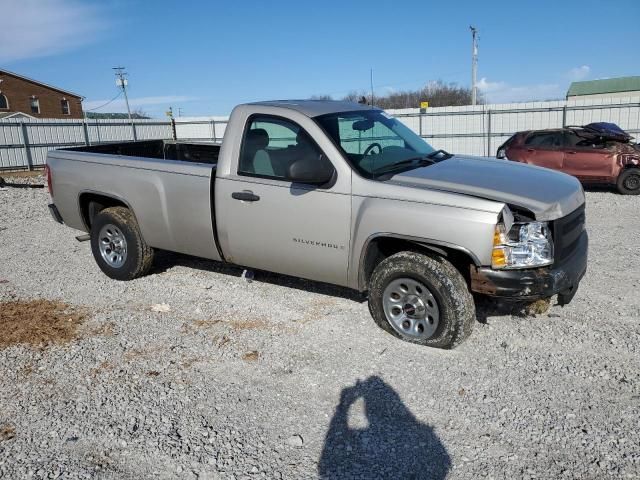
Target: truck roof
point(314, 108)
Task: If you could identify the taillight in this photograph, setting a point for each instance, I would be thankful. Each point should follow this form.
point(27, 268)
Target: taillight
point(47, 172)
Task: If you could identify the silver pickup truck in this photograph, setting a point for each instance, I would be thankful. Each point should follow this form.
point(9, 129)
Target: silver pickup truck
point(334, 192)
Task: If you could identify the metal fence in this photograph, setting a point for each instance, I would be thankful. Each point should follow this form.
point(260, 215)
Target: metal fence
point(24, 143)
point(480, 130)
point(472, 130)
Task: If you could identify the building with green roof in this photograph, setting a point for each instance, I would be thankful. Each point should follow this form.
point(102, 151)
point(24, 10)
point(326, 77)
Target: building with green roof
point(605, 88)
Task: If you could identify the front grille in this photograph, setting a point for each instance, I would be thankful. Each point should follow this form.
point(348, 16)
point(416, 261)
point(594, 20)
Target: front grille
point(566, 233)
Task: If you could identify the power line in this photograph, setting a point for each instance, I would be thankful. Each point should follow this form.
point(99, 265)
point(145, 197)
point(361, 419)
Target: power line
point(104, 104)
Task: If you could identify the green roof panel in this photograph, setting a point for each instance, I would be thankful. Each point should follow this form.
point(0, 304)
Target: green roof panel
point(607, 85)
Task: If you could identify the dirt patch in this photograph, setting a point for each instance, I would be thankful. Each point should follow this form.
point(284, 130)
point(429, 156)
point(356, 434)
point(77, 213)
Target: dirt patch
point(251, 356)
point(104, 367)
point(22, 174)
point(250, 324)
point(38, 323)
point(206, 323)
point(7, 432)
point(107, 329)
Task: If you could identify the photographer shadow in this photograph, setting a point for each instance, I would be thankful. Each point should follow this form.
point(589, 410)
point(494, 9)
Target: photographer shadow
point(394, 444)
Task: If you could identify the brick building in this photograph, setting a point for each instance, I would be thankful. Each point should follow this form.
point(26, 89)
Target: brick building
point(37, 99)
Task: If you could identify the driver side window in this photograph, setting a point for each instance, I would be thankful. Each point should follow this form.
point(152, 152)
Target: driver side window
point(272, 144)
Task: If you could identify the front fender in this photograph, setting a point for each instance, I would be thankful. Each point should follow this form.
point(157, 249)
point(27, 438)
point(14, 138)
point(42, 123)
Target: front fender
point(467, 230)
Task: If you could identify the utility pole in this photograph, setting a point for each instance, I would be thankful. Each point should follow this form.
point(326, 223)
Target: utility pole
point(474, 64)
point(121, 81)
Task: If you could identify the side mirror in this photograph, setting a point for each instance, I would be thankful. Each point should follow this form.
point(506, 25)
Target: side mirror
point(315, 171)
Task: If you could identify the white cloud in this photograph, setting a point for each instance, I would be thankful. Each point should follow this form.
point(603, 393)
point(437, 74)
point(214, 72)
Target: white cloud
point(119, 105)
point(36, 28)
point(579, 73)
point(503, 92)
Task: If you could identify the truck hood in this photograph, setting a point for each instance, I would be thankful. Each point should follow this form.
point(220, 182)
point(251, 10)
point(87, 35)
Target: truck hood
point(546, 193)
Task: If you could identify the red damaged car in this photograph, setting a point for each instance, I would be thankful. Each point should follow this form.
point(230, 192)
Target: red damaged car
point(598, 153)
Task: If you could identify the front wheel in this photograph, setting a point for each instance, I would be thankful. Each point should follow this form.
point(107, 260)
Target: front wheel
point(118, 246)
point(629, 181)
point(421, 299)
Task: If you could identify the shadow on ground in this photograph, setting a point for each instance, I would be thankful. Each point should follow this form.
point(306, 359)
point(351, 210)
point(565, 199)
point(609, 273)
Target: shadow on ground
point(486, 307)
point(394, 444)
point(165, 260)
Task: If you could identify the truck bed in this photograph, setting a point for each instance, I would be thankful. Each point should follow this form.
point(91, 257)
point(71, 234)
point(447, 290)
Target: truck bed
point(195, 152)
point(169, 185)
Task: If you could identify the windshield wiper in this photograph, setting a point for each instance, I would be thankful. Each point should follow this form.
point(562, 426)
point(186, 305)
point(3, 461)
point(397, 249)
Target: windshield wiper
point(418, 161)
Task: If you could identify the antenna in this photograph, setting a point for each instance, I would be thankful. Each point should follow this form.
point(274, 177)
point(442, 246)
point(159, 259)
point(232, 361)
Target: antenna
point(474, 64)
point(371, 81)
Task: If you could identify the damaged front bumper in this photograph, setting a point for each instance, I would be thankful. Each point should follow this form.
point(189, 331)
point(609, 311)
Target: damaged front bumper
point(532, 284)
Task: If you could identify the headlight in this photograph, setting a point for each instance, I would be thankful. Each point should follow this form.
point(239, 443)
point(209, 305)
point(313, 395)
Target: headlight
point(525, 245)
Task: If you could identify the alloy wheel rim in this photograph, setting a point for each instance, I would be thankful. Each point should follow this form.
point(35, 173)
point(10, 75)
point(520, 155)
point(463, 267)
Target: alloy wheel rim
point(112, 245)
point(410, 308)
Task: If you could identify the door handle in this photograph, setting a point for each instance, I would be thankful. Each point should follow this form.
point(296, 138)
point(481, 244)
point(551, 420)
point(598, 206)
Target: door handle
point(245, 196)
point(530, 150)
point(571, 152)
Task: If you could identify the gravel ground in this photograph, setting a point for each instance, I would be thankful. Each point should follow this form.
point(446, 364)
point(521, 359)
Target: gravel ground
point(284, 378)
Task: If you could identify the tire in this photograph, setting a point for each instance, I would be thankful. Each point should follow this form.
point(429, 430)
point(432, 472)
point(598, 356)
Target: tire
point(124, 255)
point(628, 182)
point(442, 317)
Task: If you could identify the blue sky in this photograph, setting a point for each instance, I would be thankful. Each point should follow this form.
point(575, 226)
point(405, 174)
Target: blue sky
point(206, 56)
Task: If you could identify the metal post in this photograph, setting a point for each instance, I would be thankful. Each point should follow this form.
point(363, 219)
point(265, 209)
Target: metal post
point(474, 64)
point(98, 130)
point(25, 144)
point(174, 134)
point(420, 127)
point(85, 129)
point(564, 116)
point(213, 130)
point(488, 133)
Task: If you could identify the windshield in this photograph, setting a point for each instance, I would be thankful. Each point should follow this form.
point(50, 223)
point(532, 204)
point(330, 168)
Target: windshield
point(374, 142)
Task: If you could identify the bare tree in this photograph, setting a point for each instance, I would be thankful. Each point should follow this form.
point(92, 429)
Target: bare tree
point(139, 113)
point(438, 94)
point(320, 97)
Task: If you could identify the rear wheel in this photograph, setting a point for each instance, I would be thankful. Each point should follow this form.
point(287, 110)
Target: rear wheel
point(629, 181)
point(421, 299)
point(117, 245)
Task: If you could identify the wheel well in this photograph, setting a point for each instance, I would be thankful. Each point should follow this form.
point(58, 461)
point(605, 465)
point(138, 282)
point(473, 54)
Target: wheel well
point(93, 203)
point(383, 247)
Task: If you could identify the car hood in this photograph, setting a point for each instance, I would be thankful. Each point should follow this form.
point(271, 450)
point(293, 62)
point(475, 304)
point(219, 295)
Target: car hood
point(546, 193)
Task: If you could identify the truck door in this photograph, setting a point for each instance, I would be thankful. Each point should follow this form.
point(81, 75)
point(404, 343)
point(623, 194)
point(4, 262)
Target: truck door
point(543, 149)
point(267, 222)
point(589, 159)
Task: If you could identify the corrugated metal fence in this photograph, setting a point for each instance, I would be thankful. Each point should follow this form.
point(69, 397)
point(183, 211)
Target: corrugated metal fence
point(24, 143)
point(478, 130)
